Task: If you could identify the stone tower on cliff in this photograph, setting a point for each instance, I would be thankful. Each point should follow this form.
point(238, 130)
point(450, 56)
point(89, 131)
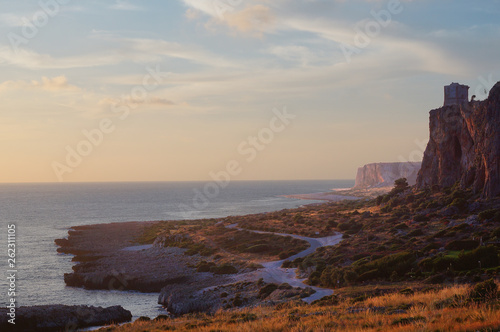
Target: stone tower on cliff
point(455, 94)
point(464, 146)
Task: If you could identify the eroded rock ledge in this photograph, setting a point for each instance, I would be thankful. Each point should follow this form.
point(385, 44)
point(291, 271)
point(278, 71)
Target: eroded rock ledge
point(103, 264)
point(62, 317)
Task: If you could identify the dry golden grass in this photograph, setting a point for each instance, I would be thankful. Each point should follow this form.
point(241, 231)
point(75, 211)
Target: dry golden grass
point(425, 311)
point(427, 299)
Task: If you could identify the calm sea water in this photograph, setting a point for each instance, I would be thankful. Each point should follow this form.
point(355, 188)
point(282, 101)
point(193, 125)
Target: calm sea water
point(44, 212)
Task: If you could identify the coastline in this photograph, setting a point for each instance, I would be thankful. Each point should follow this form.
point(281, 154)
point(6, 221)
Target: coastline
point(341, 194)
point(107, 257)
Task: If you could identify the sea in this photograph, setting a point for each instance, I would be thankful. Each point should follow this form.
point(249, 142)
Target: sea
point(44, 212)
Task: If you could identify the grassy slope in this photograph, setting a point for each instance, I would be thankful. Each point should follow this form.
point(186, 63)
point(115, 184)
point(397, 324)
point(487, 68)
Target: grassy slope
point(402, 237)
point(445, 309)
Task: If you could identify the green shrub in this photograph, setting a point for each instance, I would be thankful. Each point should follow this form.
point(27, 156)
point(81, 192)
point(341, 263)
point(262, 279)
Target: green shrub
point(458, 193)
point(267, 290)
point(285, 286)
point(400, 185)
point(394, 202)
point(368, 275)
point(462, 245)
point(484, 291)
point(488, 256)
point(487, 214)
point(431, 246)
point(421, 217)
point(496, 232)
point(416, 232)
point(385, 266)
point(442, 233)
point(438, 263)
point(350, 277)
point(433, 205)
point(224, 269)
point(386, 209)
point(204, 266)
point(332, 223)
point(460, 203)
point(360, 256)
point(161, 318)
point(258, 248)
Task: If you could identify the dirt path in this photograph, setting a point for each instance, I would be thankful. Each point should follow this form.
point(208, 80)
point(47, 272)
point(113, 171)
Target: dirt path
point(274, 273)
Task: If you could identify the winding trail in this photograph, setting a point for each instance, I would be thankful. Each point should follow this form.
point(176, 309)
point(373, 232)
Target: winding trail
point(274, 273)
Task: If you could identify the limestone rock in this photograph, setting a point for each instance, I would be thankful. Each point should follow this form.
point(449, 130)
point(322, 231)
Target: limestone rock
point(62, 317)
point(384, 174)
point(464, 146)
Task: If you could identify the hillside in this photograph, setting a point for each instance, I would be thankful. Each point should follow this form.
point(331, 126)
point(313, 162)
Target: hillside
point(395, 268)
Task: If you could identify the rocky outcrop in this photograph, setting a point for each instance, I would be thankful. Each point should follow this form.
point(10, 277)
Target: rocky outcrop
point(464, 146)
point(229, 296)
point(104, 262)
point(61, 317)
point(384, 174)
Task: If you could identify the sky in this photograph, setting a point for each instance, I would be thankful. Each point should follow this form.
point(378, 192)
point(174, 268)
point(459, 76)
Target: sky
point(198, 90)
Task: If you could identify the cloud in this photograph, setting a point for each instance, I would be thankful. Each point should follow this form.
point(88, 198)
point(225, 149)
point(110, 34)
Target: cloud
point(253, 19)
point(124, 5)
point(293, 53)
point(206, 6)
point(153, 100)
point(119, 50)
point(55, 84)
point(12, 20)
point(257, 20)
point(192, 14)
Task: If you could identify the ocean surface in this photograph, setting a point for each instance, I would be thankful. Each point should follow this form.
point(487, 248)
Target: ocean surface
point(44, 212)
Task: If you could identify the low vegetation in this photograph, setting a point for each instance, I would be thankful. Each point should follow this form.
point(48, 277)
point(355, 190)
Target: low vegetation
point(463, 307)
point(414, 240)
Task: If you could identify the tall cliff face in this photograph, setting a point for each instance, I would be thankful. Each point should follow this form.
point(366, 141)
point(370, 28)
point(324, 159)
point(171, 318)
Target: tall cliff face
point(384, 174)
point(464, 145)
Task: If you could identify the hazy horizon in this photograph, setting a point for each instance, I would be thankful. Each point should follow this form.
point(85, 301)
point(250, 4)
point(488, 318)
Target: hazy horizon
point(192, 90)
point(173, 181)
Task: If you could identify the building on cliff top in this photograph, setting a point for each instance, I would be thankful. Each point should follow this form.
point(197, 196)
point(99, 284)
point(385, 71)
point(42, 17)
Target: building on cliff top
point(456, 94)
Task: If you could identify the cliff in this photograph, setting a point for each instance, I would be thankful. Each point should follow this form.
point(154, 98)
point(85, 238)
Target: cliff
point(464, 145)
point(384, 174)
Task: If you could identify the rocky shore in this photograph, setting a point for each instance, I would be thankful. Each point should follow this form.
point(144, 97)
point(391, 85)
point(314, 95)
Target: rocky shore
point(108, 258)
point(104, 263)
point(62, 317)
